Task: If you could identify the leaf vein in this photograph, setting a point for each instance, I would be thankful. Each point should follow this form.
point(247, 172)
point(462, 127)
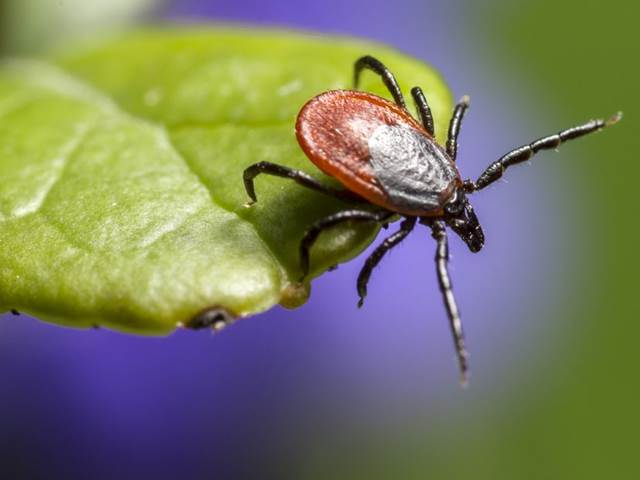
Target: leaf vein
point(62, 164)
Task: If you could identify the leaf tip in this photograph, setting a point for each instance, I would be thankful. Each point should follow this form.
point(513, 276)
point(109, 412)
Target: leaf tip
point(295, 294)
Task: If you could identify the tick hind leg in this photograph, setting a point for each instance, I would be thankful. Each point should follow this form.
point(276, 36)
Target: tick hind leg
point(525, 152)
point(391, 241)
point(388, 78)
point(439, 233)
point(341, 217)
point(297, 176)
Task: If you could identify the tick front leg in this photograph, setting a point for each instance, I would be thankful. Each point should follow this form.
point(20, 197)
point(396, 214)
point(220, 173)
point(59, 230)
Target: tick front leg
point(454, 127)
point(424, 111)
point(297, 176)
point(316, 229)
point(525, 152)
point(388, 78)
point(363, 278)
point(439, 233)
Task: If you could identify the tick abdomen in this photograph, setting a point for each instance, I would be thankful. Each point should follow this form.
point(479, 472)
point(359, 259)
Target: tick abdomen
point(338, 129)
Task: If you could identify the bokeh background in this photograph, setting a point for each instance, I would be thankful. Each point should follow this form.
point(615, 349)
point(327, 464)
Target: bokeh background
point(326, 391)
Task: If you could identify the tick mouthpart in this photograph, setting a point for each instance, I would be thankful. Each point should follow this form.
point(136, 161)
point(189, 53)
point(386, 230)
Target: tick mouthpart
point(469, 186)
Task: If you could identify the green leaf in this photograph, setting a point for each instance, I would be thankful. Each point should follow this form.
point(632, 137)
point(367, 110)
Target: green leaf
point(121, 199)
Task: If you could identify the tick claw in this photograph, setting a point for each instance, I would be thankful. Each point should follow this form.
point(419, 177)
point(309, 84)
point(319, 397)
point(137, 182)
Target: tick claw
point(613, 119)
point(360, 302)
point(250, 204)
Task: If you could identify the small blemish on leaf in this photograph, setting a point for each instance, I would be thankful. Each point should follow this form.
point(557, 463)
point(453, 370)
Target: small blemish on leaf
point(215, 318)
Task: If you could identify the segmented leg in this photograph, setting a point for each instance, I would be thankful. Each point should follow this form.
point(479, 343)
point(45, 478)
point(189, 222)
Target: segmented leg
point(363, 278)
point(347, 216)
point(297, 176)
point(424, 111)
point(442, 257)
point(525, 152)
point(454, 127)
point(388, 78)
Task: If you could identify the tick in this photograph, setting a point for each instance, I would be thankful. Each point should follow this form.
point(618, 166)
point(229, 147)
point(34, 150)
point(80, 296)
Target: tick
point(384, 157)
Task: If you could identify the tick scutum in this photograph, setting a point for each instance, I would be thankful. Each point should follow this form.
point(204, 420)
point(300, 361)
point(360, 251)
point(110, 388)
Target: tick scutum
point(411, 168)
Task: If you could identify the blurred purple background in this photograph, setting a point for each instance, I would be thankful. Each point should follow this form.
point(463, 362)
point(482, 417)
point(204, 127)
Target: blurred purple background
point(245, 402)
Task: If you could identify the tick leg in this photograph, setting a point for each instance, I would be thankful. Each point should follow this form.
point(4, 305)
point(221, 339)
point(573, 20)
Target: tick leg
point(388, 78)
point(525, 152)
point(297, 176)
point(373, 260)
point(442, 258)
point(347, 216)
point(454, 127)
point(424, 111)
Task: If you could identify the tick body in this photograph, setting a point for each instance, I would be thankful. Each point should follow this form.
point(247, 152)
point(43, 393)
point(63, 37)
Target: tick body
point(378, 151)
point(386, 158)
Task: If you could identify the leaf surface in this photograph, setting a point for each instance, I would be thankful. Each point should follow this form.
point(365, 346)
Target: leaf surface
point(121, 196)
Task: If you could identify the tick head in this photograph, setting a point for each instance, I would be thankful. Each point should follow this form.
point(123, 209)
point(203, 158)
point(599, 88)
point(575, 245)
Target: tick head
point(460, 216)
